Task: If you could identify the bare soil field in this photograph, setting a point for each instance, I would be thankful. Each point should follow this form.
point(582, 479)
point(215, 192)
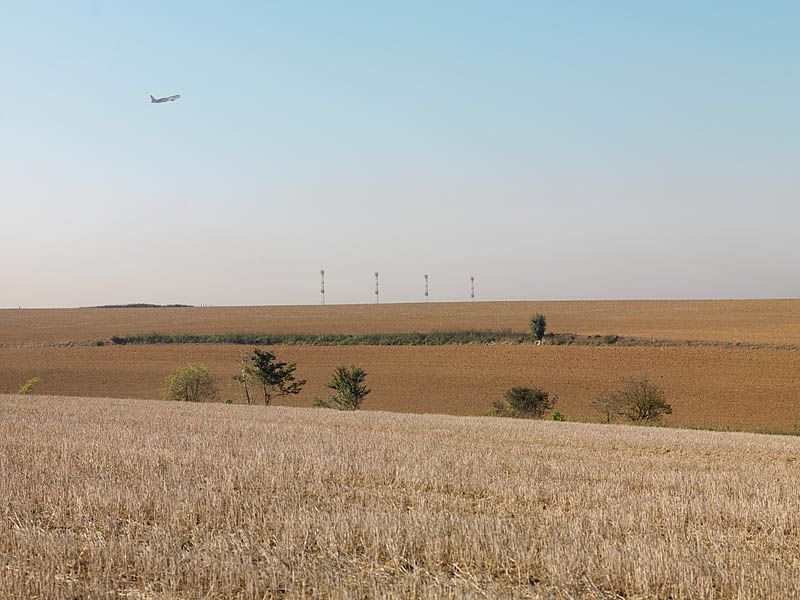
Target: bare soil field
point(139, 499)
point(708, 387)
point(761, 321)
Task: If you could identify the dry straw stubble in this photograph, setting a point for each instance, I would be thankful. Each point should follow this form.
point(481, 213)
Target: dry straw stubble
point(158, 499)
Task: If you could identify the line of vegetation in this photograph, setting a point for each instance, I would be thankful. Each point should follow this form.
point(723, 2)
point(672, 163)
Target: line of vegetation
point(637, 401)
point(143, 305)
point(433, 338)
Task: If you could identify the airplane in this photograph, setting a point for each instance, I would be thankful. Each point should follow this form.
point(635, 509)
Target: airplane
point(166, 99)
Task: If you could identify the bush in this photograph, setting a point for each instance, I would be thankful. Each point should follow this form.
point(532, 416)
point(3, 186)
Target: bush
point(538, 325)
point(524, 403)
point(349, 388)
point(28, 386)
point(192, 383)
point(638, 400)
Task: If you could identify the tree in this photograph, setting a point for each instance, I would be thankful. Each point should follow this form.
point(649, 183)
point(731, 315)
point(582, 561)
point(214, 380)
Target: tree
point(246, 377)
point(638, 400)
point(349, 388)
point(192, 383)
point(275, 377)
point(28, 386)
point(524, 403)
point(538, 325)
point(604, 404)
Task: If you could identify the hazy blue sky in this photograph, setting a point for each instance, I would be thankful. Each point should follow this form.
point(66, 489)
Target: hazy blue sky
point(554, 149)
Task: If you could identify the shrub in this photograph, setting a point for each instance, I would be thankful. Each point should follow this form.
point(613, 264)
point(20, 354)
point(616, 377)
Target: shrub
point(638, 400)
point(561, 339)
point(28, 386)
point(349, 388)
point(524, 403)
point(192, 383)
point(538, 325)
point(557, 416)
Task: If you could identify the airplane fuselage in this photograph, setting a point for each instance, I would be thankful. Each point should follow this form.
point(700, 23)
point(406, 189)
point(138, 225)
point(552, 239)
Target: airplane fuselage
point(165, 99)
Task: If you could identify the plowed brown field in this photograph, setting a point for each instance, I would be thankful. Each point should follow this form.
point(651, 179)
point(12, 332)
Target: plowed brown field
point(708, 386)
point(763, 321)
point(750, 389)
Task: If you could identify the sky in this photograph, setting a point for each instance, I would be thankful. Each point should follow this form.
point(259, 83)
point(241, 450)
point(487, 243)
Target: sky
point(571, 150)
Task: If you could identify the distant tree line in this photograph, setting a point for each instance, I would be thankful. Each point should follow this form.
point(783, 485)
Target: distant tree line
point(143, 305)
point(432, 338)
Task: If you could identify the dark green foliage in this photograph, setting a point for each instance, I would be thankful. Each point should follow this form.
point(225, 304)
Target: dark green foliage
point(143, 305)
point(433, 338)
point(349, 389)
point(538, 325)
point(524, 403)
point(275, 377)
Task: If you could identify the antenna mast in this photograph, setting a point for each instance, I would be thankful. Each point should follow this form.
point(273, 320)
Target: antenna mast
point(376, 288)
point(322, 285)
point(426, 287)
point(472, 288)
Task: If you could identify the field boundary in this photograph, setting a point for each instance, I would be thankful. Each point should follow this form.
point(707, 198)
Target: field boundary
point(432, 338)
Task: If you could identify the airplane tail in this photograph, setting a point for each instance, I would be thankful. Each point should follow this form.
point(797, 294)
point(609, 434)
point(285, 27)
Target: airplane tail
point(151, 98)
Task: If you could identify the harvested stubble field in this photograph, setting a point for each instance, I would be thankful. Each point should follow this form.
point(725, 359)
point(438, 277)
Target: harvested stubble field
point(144, 499)
point(758, 321)
point(708, 387)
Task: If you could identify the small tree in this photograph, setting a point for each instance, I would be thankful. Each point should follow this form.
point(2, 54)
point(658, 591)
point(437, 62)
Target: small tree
point(246, 377)
point(638, 400)
point(538, 325)
point(349, 388)
point(28, 386)
point(524, 403)
point(192, 383)
point(605, 405)
point(275, 377)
